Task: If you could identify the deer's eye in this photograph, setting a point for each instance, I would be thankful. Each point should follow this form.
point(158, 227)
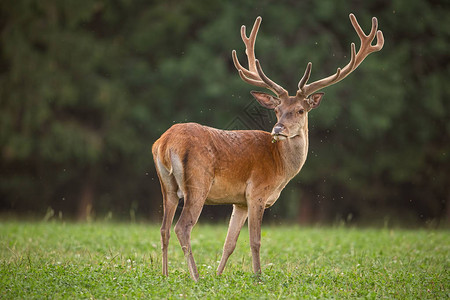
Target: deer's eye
point(301, 111)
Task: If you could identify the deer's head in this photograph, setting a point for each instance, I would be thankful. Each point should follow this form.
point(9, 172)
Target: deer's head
point(292, 111)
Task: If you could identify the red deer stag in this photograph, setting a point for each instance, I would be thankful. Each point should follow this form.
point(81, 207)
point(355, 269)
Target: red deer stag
point(245, 168)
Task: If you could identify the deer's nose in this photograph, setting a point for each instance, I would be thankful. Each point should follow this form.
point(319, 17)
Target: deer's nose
point(277, 129)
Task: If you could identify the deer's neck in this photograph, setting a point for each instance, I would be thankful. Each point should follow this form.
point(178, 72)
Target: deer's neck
point(293, 152)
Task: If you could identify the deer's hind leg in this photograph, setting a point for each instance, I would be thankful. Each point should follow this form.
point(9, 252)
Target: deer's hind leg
point(195, 183)
point(193, 205)
point(169, 190)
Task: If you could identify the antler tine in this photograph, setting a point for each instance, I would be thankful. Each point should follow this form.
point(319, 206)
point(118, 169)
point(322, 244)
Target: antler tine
point(254, 74)
point(356, 58)
point(271, 84)
point(373, 30)
point(250, 43)
point(358, 28)
point(380, 41)
point(251, 81)
point(305, 77)
point(352, 63)
point(239, 67)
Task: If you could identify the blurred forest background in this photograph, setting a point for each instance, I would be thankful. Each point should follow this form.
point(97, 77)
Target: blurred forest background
point(86, 87)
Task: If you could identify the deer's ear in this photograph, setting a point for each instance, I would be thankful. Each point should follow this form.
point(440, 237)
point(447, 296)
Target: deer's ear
point(266, 100)
point(314, 100)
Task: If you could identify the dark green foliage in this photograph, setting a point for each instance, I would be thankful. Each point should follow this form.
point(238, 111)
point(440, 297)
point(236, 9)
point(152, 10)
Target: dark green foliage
point(86, 88)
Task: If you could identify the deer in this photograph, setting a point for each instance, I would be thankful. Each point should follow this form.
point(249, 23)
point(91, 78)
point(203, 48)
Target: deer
point(247, 169)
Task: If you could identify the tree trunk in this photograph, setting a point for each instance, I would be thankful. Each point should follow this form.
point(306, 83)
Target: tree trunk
point(86, 200)
point(306, 210)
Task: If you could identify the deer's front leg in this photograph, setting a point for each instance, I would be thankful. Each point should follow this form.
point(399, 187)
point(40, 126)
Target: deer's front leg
point(237, 220)
point(255, 215)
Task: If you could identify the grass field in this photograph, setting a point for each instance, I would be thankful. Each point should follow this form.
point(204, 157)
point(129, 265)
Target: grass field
point(108, 260)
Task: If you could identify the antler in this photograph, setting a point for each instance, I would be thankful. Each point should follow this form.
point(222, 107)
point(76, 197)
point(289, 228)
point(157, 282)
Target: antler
point(356, 59)
point(254, 75)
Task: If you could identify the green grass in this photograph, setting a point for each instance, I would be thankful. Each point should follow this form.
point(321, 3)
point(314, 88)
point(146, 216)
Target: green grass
point(106, 260)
